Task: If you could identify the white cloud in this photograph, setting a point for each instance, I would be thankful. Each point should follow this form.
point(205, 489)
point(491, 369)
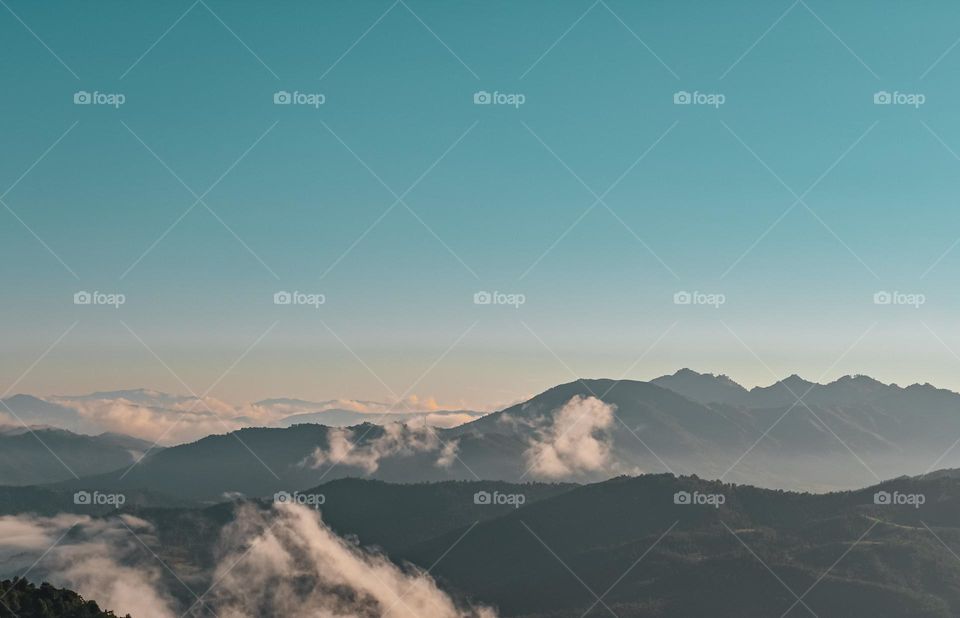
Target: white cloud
point(263, 562)
point(574, 440)
point(99, 559)
point(291, 545)
point(450, 419)
point(175, 419)
point(185, 422)
point(397, 439)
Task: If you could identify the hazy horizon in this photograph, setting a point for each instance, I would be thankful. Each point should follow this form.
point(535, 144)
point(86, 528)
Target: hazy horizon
point(587, 183)
point(414, 401)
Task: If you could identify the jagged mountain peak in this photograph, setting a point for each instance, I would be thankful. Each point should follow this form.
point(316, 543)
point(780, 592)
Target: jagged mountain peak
point(703, 387)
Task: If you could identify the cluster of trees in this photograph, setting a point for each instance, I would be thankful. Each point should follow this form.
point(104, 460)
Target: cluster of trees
point(21, 599)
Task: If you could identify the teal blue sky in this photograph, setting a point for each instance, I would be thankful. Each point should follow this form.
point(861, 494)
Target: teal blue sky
point(305, 198)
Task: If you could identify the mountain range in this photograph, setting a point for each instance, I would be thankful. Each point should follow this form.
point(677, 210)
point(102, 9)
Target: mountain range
point(589, 498)
point(40, 454)
point(793, 434)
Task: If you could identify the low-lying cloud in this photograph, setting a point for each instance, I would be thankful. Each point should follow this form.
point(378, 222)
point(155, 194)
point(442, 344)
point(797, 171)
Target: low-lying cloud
point(168, 425)
point(276, 554)
point(175, 419)
point(345, 446)
point(100, 559)
point(281, 562)
point(574, 440)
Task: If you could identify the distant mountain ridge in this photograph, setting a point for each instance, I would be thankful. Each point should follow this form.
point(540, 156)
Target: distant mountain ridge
point(35, 455)
point(711, 388)
point(842, 434)
point(173, 418)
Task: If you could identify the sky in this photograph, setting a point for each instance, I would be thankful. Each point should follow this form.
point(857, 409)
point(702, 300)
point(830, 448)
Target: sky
point(783, 197)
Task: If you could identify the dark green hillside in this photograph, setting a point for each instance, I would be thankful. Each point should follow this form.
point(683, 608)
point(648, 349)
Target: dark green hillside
point(600, 532)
